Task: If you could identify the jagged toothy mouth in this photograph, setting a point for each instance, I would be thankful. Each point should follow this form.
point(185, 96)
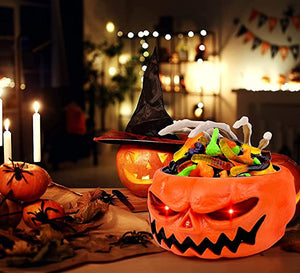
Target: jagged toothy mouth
point(242, 236)
point(133, 177)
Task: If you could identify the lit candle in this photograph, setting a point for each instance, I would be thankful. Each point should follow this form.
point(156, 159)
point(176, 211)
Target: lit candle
point(176, 83)
point(36, 133)
point(7, 142)
point(168, 83)
point(1, 117)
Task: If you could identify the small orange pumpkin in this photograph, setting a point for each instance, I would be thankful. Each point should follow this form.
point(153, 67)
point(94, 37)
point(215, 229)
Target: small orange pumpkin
point(23, 181)
point(212, 217)
point(136, 165)
point(43, 212)
point(10, 213)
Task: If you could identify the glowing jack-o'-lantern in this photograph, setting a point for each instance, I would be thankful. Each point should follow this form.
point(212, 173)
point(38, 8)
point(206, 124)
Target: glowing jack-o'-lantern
point(136, 165)
point(220, 217)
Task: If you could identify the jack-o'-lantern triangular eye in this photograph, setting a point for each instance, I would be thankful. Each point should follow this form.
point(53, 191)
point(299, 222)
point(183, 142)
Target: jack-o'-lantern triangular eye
point(163, 156)
point(234, 210)
point(131, 156)
point(160, 206)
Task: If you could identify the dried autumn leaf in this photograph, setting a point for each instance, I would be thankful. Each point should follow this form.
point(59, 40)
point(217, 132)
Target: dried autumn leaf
point(7, 239)
point(21, 248)
point(88, 206)
point(47, 233)
point(6, 242)
point(53, 251)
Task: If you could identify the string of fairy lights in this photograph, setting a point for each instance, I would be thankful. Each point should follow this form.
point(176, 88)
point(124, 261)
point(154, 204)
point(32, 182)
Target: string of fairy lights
point(145, 35)
point(156, 34)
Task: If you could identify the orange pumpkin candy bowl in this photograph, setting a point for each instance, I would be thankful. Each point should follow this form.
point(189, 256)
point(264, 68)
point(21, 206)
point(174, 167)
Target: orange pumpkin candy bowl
point(23, 181)
point(283, 160)
point(212, 217)
point(136, 165)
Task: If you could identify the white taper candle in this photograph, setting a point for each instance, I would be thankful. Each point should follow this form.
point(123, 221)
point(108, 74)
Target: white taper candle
point(36, 133)
point(7, 142)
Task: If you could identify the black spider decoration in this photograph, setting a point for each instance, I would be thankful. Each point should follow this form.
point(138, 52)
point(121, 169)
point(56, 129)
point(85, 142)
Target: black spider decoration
point(17, 171)
point(109, 198)
point(133, 237)
point(42, 216)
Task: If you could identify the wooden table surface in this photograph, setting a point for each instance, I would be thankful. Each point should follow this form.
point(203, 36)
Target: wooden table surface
point(274, 260)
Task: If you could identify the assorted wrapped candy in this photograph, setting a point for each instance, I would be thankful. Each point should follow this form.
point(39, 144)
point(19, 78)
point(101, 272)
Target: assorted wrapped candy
point(213, 150)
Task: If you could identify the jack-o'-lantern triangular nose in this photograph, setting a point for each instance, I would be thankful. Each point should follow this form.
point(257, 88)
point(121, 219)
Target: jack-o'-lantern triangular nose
point(187, 222)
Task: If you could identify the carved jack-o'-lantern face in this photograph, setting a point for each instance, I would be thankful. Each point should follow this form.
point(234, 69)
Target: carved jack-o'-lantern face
point(136, 165)
point(220, 217)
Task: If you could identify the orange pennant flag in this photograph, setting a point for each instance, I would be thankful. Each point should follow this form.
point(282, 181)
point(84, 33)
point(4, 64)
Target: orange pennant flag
point(272, 23)
point(248, 37)
point(296, 21)
point(253, 15)
point(284, 50)
point(264, 47)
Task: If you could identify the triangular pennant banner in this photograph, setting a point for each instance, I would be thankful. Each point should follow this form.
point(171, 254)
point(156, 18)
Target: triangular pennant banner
point(295, 51)
point(253, 15)
point(248, 36)
point(262, 19)
point(274, 50)
point(256, 43)
point(284, 23)
point(242, 31)
point(264, 47)
point(296, 21)
point(284, 50)
point(272, 23)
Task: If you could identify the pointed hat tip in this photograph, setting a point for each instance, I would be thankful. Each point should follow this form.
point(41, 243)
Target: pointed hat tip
point(150, 115)
point(154, 59)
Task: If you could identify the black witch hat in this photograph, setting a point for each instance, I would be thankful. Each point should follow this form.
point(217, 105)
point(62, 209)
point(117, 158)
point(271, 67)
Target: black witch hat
point(149, 116)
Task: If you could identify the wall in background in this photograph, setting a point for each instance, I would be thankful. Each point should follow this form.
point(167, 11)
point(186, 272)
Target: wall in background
point(238, 62)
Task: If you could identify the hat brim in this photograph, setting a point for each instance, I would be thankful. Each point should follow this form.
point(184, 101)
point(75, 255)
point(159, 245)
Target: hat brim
point(118, 137)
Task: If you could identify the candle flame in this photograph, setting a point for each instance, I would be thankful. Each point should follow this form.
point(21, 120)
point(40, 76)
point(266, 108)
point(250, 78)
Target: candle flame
point(6, 124)
point(36, 106)
point(176, 79)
